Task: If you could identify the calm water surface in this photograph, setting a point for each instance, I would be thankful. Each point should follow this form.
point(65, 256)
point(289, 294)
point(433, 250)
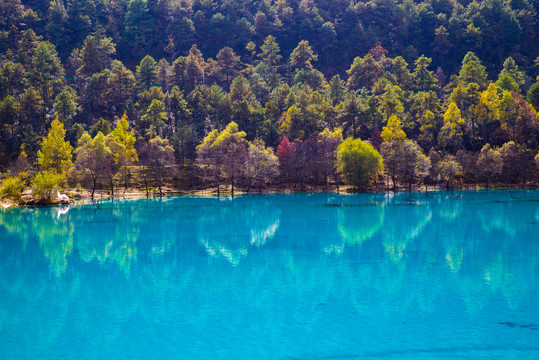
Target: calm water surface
point(274, 277)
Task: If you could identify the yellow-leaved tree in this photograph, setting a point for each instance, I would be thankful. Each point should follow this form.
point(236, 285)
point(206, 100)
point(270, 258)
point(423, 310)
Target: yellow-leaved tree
point(122, 143)
point(451, 132)
point(56, 153)
point(222, 154)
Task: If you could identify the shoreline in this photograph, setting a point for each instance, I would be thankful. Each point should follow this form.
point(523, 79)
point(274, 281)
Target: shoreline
point(83, 197)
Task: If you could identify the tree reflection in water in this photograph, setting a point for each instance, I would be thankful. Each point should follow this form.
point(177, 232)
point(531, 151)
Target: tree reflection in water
point(366, 251)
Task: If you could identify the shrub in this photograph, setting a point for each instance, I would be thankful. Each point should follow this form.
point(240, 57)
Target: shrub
point(12, 188)
point(45, 183)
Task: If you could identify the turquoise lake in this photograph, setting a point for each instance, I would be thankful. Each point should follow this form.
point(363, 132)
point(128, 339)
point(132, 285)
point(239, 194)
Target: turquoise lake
point(320, 276)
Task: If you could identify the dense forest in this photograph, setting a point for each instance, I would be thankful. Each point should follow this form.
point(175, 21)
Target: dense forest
point(251, 93)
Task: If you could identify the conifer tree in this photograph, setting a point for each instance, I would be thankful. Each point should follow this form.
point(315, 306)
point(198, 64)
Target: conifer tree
point(56, 153)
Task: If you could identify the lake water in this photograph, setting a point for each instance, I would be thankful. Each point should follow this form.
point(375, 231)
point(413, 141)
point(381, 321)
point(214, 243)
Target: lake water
point(317, 276)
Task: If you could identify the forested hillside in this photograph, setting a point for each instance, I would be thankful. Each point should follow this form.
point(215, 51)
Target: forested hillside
point(268, 90)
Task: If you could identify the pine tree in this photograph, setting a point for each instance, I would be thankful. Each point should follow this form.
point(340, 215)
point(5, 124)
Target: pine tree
point(423, 77)
point(56, 153)
point(146, 73)
point(303, 56)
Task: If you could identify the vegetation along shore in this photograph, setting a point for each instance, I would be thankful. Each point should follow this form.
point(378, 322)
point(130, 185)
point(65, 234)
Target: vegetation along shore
point(153, 97)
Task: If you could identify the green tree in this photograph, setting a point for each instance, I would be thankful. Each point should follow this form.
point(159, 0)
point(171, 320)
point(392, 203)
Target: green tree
point(13, 78)
point(506, 82)
point(32, 109)
point(9, 116)
point(303, 56)
point(56, 153)
point(65, 105)
point(120, 84)
point(423, 77)
point(533, 95)
point(229, 63)
point(441, 42)
point(146, 73)
point(46, 67)
point(270, 51)
point(138, 27)
point(364, 72)
point(472, 71)
point(359, 162)
point(95, 54)
point(402, 74)
point(393, 154)
point(177, 107)
point(154, 119)
point(101, 125)
point(510, 68)
point(337, 89)
point(243, 104)
point(194, 69)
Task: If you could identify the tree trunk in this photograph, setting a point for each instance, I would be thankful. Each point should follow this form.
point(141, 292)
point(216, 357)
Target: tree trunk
point(93, 188)
point(125, 179)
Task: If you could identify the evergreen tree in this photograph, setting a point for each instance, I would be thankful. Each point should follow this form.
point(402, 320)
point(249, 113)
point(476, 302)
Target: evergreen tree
point(472, 71)
point(65, 105)
point(46, 67)
point(364, 72)
point(423, 77)
point(229, 62)
point(138, 28)
point(146, 73)
point(270, 51)
point(56, 153)
point(303, 56)
point(510, 68)
point(95, 54)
